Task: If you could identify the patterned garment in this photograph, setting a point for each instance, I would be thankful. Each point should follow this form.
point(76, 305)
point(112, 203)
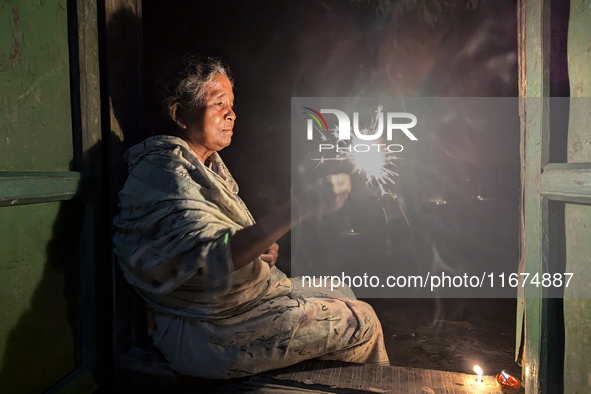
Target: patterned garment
point(173, 246)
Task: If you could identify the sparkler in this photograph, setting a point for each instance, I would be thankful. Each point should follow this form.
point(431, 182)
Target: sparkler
point(374, 166)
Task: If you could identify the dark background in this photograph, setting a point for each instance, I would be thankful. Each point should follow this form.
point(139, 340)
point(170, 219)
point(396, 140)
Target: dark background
point(282, 49)
point(335, 48)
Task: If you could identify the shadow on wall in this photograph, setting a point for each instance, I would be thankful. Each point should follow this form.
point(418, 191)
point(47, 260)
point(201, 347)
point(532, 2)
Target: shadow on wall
point(122, 98)
point(51, 337)
point(44, 345)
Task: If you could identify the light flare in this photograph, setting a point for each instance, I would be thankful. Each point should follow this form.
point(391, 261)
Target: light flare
point(374, 165)
point(478, 371)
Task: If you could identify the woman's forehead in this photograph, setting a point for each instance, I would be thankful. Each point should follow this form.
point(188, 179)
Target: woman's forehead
point(219, 88)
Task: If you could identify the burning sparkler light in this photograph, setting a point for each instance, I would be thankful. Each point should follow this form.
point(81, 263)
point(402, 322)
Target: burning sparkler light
point(373, 164)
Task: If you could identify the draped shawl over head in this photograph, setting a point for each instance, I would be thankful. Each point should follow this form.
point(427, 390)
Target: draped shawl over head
point(172, 242)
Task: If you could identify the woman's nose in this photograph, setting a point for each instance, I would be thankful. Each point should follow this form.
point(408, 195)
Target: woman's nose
point(230, 115)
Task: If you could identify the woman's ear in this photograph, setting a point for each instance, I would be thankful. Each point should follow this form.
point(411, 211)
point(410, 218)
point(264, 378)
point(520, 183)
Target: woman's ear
point(175, 113)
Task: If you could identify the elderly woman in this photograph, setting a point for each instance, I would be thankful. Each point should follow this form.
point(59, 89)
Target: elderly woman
point(189, 246)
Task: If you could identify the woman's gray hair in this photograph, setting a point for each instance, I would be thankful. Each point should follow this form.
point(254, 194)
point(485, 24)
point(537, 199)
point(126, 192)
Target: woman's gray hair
point(193, 81)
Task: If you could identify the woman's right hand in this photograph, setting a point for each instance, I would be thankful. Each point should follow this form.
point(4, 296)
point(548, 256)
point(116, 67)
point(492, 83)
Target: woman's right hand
point(325, 197)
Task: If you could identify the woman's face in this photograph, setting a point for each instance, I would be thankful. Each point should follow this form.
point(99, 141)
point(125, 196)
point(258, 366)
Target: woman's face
point(212, 123)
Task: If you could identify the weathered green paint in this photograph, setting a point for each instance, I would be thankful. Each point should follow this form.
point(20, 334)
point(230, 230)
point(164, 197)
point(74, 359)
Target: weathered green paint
point(38, 295)
point(522, 78)
point(567, 182)
point(17, 188)
point(95, 272)
point(39, 331)
point(34, 84)
point(537, 152)
point(47, 277)
point(577, 312)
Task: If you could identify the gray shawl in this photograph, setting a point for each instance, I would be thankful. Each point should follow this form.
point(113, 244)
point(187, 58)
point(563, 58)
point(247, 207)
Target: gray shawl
point(172, 241)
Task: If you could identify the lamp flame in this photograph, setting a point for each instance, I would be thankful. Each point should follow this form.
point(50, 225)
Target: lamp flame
point(478, 370)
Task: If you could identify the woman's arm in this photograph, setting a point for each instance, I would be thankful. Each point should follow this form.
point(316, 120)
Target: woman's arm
point(327, 197)
point(249, 243)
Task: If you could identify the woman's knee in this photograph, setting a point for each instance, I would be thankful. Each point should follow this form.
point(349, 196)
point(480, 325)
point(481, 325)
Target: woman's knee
point(369, 323)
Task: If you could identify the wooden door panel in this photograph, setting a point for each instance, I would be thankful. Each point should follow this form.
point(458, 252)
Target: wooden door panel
point(39, 281)
point(49, 118)
point(556, 330)
point(35, 86)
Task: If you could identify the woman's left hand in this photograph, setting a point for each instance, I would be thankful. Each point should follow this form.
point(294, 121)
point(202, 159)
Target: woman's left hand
point(270, 255)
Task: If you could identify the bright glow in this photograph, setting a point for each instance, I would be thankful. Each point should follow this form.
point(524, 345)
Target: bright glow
point(373, 165)
point(478, 370)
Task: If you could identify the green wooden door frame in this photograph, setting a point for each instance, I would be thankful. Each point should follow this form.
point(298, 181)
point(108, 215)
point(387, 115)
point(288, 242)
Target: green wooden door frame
point(542, 182)
point(86, 80)
point(62, 122)
point(33, 187)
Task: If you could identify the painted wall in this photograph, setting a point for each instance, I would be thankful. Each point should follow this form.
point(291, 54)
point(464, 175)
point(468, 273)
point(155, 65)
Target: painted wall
point(38, 242)
point(577, 312)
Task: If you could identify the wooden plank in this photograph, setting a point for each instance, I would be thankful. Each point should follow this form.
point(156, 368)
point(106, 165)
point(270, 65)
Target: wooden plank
point(537, 153)
point(567, 166)
point(415, 381)
point(388, 377)
point(335, 372)
point(567, 182)
point(380, 379)
point(122, 39)
point(577, 310)
point(94, 242)
point(444, 381)
point(316, 374)
point(372, 380)
point(89, 83)
point(429, 378)
point(266, 388)
point(28, 187)
point(346, 378)
point(522, 78)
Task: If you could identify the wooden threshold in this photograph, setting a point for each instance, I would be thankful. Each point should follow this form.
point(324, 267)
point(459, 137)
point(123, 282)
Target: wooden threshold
point(312, 376)
point(370, 378)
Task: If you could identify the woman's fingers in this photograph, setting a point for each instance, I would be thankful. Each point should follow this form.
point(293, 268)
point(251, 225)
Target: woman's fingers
point(273, 249)
point(269, 259)
point(270, 255)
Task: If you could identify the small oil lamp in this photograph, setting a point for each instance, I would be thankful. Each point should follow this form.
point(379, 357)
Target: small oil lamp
point(507, 383)
point(478, 370)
